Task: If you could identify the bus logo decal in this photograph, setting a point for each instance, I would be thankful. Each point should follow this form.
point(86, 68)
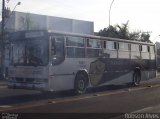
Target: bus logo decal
point(97, 69)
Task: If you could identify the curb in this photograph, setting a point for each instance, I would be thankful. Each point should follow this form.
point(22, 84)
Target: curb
point(3, 83)
point(149, 82)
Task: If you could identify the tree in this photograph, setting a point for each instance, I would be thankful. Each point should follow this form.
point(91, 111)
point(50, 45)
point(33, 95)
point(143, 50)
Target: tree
point(134, 36)
point(109, 32)
point(145, 37)
point(122, 32)
point(27, 22)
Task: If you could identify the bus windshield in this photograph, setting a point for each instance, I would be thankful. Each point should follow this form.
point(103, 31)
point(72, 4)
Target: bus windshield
point(31, 52)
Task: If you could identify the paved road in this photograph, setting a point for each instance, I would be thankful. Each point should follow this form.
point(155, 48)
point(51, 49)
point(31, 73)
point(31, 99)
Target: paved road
point(107, 102)
point(113, 99)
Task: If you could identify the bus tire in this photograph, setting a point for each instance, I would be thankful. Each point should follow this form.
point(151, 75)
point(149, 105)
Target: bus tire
point(136, 78)
point(81, 84)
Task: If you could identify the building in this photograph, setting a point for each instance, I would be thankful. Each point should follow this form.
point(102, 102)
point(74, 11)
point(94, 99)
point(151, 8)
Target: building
point(19, 21)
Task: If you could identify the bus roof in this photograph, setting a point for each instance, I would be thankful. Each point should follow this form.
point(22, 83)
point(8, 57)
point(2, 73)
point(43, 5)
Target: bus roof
point(21, 33)
point(98, 37)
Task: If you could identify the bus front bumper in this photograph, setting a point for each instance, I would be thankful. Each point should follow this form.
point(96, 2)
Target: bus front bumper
point(32, 86)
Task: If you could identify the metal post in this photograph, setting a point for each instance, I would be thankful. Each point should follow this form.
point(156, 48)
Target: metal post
point(5, 14)
point(3, 41)
point(110, 11)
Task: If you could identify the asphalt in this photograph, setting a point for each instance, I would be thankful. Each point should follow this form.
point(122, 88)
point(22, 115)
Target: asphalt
point(149, 82)
point(3, 82)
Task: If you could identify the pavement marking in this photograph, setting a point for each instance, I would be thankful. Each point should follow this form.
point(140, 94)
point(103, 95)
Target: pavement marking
point(153, 109)
point(44, 104)
point(3, 86)
point(12, 108)
point(126, 90)
point(143, 110)
point(75, 98)
point(5, 106)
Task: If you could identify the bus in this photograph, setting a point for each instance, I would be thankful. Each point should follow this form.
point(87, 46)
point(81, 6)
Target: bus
point(58, 61)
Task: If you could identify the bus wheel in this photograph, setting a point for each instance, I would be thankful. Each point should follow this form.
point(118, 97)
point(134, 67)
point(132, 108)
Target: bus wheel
point(136, 78)
point(80, 83)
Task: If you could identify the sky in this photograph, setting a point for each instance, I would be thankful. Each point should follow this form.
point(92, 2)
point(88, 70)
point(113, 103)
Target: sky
point(143, 15)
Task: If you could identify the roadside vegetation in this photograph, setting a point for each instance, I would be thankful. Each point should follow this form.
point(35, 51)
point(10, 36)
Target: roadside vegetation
point(122, 32)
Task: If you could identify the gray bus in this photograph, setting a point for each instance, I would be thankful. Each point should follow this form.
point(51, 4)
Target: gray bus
point(58, 61)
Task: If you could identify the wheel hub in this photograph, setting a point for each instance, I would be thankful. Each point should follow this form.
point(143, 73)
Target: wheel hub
point(81, 84)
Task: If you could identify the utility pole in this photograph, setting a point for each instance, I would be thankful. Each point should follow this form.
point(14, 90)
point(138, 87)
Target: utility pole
point(3, 41)
point(110, 12)
point(6, 14)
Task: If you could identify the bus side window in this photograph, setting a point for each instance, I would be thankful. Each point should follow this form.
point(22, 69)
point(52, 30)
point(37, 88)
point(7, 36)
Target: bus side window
point(11, 53)
point(144, 48)
point(148, 48)
point(104, 44)
point(135, 47)
point(111, 45)
point(53, 51)
point(129, 47)
point(115, 45)
point(123, 46)
point(94, 43)
point(75, 47)
point(151, 49)
point(94, 48)
point(57, 50)
point(140, 48)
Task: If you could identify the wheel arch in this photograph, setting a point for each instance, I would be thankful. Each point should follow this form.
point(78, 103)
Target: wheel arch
point(82, 71)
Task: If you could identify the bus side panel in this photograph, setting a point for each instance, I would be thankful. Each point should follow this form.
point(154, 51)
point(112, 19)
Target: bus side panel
point(104, 70)
point(146, 75)
point(62, 76)
point(59, 83)
point(119, 80)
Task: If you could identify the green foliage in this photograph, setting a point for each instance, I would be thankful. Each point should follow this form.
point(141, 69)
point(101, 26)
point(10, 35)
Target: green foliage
point(134, 36)
point(109, 32)
point(27, 22)
point(122, 32)
point(145, 37)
